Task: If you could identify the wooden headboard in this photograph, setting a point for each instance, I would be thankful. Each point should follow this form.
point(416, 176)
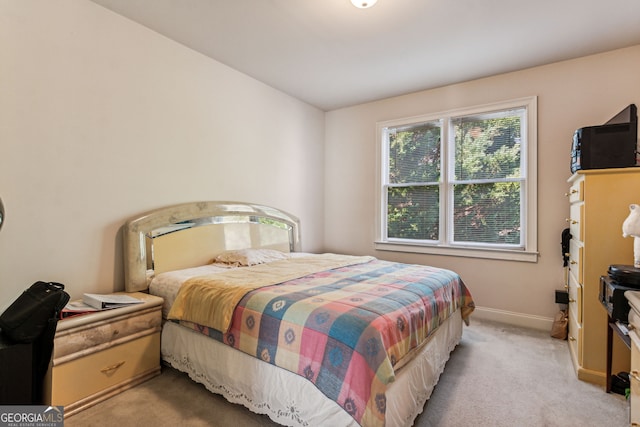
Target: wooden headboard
point(192, 234)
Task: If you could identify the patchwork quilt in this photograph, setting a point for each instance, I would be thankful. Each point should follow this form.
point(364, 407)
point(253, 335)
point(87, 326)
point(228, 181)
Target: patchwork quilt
point(347, 329)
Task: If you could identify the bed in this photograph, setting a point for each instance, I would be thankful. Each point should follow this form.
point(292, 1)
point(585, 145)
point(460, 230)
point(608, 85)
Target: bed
point(307, 339)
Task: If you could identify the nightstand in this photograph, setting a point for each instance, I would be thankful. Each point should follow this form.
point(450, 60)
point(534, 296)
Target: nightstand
point(98, 355)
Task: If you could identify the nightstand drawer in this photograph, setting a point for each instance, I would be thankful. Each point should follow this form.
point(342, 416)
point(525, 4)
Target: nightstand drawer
point(98, 335)
point(85, 376)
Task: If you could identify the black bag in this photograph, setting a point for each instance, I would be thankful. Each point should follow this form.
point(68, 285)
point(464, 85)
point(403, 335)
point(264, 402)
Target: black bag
point(33, 318)
point(34, 312)
point(566, 238)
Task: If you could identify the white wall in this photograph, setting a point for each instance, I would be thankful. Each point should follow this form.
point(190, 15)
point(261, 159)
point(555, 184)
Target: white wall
point(102, 119)
point(571, 94)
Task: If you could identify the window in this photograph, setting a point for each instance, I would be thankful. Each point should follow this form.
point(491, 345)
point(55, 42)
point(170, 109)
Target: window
point(460, 183)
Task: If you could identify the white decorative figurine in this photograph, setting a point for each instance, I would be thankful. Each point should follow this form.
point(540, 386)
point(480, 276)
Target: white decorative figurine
point(631, 227)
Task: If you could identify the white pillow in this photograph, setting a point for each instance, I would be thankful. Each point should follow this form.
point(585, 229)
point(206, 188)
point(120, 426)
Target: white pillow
point(247, 257)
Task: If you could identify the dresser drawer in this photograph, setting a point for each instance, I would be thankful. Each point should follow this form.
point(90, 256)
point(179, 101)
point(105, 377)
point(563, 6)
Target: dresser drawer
point(576, 214)
point(575, 193)
point(575, 338)
point(86, 376)
point(576, 260)
point(575, 299)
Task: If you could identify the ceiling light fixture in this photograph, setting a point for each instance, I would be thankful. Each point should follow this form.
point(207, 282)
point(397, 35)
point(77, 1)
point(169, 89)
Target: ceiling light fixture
point(363, 4)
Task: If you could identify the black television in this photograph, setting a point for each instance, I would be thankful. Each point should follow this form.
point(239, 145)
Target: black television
point(611, 145)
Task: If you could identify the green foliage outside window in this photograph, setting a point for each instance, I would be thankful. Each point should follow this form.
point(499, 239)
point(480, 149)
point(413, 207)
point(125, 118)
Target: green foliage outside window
point(486, 180)
point(414, 174)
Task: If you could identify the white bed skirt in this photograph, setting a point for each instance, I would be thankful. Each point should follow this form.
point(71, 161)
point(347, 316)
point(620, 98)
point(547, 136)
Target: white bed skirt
point(288, 398)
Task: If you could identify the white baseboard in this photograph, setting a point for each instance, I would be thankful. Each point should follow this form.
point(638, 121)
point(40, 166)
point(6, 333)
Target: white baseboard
point(513, 318)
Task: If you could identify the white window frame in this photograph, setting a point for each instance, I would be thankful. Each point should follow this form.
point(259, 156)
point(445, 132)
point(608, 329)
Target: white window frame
point(528, 253)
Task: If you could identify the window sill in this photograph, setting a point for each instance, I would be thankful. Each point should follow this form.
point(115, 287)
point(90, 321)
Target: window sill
point(498, 254)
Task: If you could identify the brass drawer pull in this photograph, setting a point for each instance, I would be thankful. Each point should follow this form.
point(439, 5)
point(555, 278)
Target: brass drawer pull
point(573, 262)
point(635, 375)
point(571, 221)
point(572, 300)
point(574, 191)
point(111, 368)
point(572, 338)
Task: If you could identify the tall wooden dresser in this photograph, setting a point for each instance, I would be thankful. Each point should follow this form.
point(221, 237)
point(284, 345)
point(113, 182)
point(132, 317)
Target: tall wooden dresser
point(599, 200)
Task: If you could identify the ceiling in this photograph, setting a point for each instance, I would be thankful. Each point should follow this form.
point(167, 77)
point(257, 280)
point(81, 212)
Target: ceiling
point(332, 55)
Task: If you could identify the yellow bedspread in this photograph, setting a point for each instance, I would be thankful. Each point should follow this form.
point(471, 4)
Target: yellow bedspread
point(210, 300)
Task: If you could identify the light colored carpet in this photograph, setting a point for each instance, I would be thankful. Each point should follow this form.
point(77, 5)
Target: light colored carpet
point(499, 375)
